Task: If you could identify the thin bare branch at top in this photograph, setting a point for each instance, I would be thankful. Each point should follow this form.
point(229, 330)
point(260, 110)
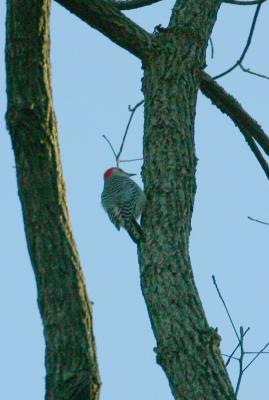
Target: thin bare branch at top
point(248, 70)
point(241, 58)
point(244, 3)
point(258, 220)
point(117, 155)
point(132, 4)
point(110, 21)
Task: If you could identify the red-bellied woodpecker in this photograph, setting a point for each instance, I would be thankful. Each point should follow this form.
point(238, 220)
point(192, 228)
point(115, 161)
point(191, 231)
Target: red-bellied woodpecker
point(123, 200)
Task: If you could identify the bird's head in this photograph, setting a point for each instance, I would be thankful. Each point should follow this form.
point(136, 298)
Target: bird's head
point(114, 171)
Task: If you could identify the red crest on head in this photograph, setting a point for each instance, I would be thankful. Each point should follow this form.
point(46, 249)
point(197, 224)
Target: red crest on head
point(108, 173)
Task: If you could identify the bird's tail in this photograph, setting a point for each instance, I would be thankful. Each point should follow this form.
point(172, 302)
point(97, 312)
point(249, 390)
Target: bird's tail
point(134, 230)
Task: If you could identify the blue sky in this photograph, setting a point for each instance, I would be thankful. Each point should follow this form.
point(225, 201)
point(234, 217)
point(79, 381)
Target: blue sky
point(94, 81)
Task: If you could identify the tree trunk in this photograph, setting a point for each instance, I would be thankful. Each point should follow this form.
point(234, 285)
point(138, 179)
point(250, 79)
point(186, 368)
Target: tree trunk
point(173, 58)
point(187, 348)
point(71, 364)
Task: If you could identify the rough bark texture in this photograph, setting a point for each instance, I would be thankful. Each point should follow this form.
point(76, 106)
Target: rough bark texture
point(187, 348)
point(173, 58)
point(72, 371)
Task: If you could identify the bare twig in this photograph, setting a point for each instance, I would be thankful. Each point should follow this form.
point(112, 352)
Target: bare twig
point(226, 308)
point(212, 47)
point(240, 345)
point(252, 72)
point(244, 3)
point(117, 155)
point(256, 151)
point(257, 355)
point(131, 4)
point(230, 106)
point(233, 352)
point(134, 159)
point(132, 110)
point(112, 148)
point(257, 220)
point(256, 352)
point(252, 28)
point(230, 357)
point(241, 358)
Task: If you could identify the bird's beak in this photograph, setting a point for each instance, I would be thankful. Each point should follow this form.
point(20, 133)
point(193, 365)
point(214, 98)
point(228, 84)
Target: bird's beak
point(131, 174)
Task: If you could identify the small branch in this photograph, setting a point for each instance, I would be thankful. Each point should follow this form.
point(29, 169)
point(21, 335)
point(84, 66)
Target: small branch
point(212, 47)
point(231, 356)
point(133, 159)
point(226, 308)
point(112, 148)
point(257, 220)
point(132, 4)
point(256, 352)
point(240, 345)
point(241, 358)
point(244, 3)
point(231, 107)
point(257, 355)
point(117, 155)
point(256, 151)
point(252, 28)
point(132, 110)
point(252, 72)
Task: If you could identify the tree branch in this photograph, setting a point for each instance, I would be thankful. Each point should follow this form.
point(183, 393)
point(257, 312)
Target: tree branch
point(256, 151)
point(244, 3)
point(231, 356)
point(104, 17)
point(71, 363)
point(257, 220)
point(252, 72)
point(117, 155)
point(241, 359)
point(132, 4)
point(132, 111)
point(241, 58)
point(257, 355)
point(225, 306)
point(231, 107)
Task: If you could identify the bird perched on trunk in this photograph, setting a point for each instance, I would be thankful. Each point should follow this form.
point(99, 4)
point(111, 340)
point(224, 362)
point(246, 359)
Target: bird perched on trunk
point(123, 200)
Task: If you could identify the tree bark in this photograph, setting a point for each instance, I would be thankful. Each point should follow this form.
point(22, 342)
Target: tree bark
point(173, 58)
point(71, 364)
point(187, 348)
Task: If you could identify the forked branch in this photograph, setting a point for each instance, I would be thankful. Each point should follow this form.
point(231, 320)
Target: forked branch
point(241, 58)
point(117, 155)
point(240, 346)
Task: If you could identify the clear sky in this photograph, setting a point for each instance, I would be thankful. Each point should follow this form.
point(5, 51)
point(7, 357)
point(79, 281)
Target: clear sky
point(94, 81)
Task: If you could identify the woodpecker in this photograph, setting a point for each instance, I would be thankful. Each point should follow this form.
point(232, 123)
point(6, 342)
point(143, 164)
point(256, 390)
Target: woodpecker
point(123, 200)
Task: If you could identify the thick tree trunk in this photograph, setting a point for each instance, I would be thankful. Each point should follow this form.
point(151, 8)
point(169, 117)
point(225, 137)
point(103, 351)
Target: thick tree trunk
point(187, 348)
point(72, 370)
point(173, 58)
